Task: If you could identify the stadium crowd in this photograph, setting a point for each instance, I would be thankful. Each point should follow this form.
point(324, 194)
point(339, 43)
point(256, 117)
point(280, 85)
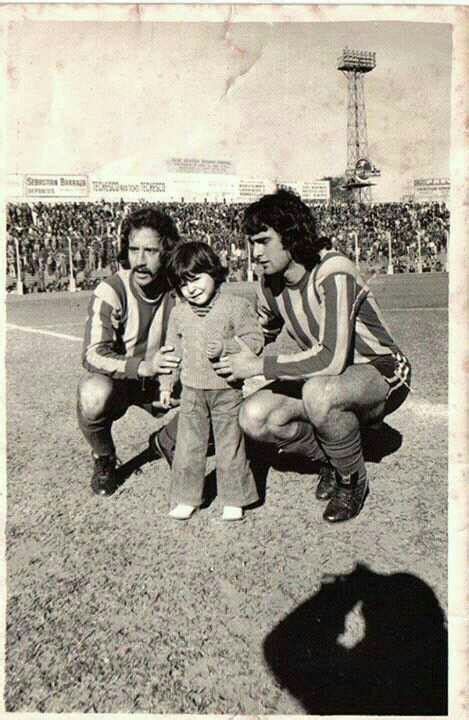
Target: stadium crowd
point(45, 234)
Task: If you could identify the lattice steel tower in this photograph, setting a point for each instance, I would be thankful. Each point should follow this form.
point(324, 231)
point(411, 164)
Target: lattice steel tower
point(354, 64)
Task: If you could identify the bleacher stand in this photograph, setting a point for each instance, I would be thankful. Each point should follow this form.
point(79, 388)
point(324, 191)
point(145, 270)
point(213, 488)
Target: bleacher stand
point(45, 231)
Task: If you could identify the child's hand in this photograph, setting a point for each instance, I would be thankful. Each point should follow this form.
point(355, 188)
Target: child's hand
point(214, 349)
point(165, 399)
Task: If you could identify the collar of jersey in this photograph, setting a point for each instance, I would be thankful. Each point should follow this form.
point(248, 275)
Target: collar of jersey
point(301, 282)
point(139, 295)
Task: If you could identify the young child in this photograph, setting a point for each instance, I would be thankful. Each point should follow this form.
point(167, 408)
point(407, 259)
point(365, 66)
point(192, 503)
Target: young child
point(201, 329)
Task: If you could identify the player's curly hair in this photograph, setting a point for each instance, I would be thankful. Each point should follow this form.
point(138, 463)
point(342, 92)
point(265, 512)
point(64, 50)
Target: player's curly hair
point(190, 259)
point(287, 214)
point(149, 217)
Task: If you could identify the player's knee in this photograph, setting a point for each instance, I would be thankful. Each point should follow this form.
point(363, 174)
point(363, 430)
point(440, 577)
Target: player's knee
point(319, 398)
point(94, 393)
point(277, 418)
point(252, 418)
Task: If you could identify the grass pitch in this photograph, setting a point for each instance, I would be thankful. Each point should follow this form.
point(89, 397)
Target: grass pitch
point(114, 607)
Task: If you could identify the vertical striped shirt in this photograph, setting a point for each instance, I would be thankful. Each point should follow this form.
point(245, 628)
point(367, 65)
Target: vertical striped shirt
point(123, 327)
point(332, 316)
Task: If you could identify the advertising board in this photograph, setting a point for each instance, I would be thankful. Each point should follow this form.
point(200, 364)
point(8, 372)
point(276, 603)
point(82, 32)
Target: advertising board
point(55, 186)
point(431, 189)
point(308, 189)
point(197, 165)
point(250, 190)
point(128, 188)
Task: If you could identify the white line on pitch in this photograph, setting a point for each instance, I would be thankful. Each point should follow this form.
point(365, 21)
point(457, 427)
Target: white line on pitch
point(415, 403)
point(25, 328)
point(79, 322)
point(411, 309)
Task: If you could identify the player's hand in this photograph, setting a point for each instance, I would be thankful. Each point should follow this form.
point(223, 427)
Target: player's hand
point(239, 366)
point(163, 363)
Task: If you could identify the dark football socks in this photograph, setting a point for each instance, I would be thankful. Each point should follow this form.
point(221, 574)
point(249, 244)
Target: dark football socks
point(346, 455)
point(303, 442)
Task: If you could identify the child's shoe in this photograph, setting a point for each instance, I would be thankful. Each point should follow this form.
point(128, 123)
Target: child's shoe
point(182, 512)
point(230, 512)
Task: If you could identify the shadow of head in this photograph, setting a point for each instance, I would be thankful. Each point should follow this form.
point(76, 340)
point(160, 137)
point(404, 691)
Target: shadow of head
point(366, 643)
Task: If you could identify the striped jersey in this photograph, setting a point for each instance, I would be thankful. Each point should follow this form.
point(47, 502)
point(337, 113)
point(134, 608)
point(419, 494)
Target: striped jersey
point(332, 316)
point(123, 327)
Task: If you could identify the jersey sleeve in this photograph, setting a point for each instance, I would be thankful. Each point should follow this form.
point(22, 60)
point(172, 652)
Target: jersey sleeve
point(270, 322)
point(174, 339)
point(247, 328)
point(337, 293)
point(100, 355)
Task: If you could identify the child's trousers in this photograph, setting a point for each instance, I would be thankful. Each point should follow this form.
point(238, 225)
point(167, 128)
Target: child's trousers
point(235, 481)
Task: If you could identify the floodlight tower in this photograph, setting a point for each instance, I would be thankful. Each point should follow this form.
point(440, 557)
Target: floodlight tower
point(354, 64)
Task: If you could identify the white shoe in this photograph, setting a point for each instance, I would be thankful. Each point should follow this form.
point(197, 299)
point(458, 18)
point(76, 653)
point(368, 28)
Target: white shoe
point(182, 512)
point(230, 512)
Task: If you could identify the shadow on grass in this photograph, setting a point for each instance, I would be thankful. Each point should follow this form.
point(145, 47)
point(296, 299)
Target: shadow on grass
point(210, 489)
point(393, 663)
point(377, 444)
point(134, 466)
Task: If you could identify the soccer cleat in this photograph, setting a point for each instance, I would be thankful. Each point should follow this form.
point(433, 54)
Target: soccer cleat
point(348, 499)
point(104, 480)
point(327, 484)
point(230, 512)
point(159, 448)
point(182, 512)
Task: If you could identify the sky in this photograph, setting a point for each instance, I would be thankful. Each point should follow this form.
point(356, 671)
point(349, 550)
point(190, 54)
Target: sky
point(83, 96)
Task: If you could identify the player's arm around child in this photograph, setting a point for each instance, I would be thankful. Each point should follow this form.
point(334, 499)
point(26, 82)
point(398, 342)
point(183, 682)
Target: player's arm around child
point(168, 381)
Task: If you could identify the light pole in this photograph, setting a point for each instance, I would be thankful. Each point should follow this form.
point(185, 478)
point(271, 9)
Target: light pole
point(72, 287)
point(19, 278)
point(354, 64)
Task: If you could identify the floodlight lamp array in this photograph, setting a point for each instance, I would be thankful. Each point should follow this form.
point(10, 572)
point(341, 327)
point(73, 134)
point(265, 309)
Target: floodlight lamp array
point(358, 60)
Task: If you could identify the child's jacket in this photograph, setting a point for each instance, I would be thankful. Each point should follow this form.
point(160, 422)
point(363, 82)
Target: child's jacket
point(190, 334)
